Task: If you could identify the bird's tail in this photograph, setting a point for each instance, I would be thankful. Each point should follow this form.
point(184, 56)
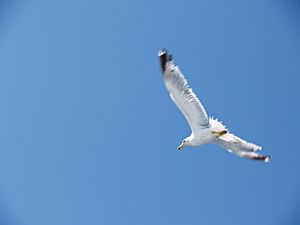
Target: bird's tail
point(216, 125)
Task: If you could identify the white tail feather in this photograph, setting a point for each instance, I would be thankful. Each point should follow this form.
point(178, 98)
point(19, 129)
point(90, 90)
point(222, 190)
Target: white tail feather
point(216, 125)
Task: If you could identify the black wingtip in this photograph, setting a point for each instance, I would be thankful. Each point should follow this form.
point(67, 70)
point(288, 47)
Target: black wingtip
point(265, 158)
point(163, 56)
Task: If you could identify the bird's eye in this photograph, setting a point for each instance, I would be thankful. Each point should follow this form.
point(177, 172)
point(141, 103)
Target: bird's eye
point(184, 141)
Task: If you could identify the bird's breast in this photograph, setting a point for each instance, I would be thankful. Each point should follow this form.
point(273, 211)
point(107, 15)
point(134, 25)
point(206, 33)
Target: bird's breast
point(203, 137)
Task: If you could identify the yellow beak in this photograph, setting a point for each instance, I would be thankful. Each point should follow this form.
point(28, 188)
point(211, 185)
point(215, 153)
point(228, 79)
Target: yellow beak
point(180, 146)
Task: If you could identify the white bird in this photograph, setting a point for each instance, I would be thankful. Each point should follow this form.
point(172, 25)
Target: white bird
point(204, 129)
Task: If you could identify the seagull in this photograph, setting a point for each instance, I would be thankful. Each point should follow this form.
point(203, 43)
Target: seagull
point(204, 129)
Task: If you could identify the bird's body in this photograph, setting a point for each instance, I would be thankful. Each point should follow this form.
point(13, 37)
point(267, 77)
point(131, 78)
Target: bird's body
point(204, 129)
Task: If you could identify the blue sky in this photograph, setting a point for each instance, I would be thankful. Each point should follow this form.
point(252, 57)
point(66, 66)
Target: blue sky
point(88, 132)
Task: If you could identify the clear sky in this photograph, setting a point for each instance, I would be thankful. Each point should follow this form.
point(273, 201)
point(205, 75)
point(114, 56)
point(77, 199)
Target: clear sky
point(88, 133)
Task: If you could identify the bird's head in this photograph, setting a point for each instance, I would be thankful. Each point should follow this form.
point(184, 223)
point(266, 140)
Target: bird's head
point(185, 142)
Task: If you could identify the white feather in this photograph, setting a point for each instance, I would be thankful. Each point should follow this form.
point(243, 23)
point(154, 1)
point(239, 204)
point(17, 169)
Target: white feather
point(184, 97)
point(204, 129)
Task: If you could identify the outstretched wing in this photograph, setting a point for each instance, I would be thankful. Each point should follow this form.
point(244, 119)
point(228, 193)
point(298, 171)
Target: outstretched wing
point(240, 147)
point(182, 95)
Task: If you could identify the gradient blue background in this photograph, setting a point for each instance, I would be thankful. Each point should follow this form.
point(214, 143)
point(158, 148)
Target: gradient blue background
point(88, 134)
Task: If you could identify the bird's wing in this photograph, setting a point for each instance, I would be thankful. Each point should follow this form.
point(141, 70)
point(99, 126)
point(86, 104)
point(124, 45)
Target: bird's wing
point(182, 95)
point(240, 147)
